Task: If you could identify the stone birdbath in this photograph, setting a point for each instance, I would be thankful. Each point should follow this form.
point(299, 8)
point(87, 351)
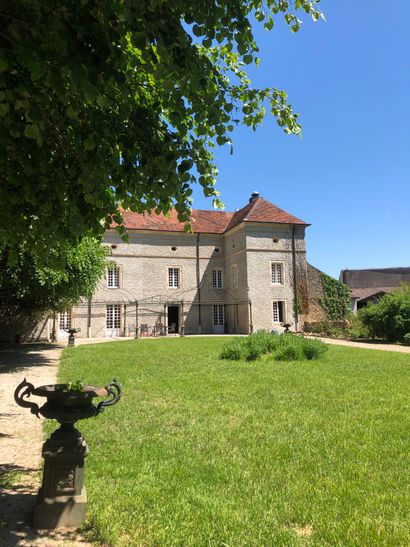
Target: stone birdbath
point(62, 499)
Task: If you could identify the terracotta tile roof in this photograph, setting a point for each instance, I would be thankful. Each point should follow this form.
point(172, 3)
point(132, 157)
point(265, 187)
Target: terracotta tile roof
point(211, 222)
point(260, 210)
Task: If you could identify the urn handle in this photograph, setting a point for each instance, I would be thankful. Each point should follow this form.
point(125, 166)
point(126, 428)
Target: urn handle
point(19, 395)
point(114, 391)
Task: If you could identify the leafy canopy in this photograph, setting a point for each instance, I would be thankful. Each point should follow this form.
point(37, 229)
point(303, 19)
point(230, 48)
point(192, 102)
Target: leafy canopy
point(31, 287)
point(120, 103)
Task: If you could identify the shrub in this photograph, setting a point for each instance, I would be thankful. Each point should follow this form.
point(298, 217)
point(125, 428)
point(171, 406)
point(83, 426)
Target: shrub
point(233, 350)
point(390, 317)
point(313, 349)
point(283, 347)
point(289, 352)
point(256, 345)
point(357, 329)
point(406, 339)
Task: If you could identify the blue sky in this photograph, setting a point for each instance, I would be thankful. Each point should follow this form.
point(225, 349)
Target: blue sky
point(348, 176)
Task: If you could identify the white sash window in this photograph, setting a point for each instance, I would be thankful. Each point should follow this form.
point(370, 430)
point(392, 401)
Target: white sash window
point(173, 278)
point(217, 281)
point(277, 273)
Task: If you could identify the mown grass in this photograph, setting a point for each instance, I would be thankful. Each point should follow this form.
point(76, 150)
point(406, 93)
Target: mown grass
point(203, 451)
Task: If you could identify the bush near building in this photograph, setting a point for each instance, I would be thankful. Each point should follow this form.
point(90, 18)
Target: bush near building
point(390, 317)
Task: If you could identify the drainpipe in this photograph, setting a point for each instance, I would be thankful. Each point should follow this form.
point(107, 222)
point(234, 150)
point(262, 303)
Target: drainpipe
point(89, 319)
point(295, 287)
point(250, 318)
point(198, 285)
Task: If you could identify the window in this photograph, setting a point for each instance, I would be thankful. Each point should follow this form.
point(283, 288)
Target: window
point(65, 320)
point(113, 316)
point(217, 279)
point(278, 311)
point(218, 315)
point(173, 278)
point(113, 278)
point(277, 273)
point(234, 272)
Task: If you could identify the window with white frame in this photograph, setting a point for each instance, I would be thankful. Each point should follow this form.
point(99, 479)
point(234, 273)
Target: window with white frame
point(217, 281)
point(234, 272)
point(278, 311)
point(113, 316)
point(277, 273)
point(113, 278)
point(218, 315)
point(65, 320)
point(173, 278)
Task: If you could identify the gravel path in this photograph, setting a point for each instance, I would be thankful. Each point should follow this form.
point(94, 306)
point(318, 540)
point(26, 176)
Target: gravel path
point(21, 439)
point(365, 345)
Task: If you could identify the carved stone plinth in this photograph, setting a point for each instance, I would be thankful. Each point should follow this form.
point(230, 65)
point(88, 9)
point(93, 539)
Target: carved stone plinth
point(62, 499)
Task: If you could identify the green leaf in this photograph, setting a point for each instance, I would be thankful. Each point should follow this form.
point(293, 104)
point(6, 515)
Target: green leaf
point(269, 24)
point(32, 131)
point(89, 143)
point(4, 108)
point(4, 64)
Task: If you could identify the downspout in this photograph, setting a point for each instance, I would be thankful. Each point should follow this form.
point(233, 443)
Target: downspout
point(198, 285)
point(295, 287)
point(89, 318)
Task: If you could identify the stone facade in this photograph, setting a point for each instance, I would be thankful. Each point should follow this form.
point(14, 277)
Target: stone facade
point(315, 312)
point(243, 252)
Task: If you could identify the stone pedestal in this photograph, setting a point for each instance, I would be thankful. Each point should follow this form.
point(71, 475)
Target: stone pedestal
point(62, 500)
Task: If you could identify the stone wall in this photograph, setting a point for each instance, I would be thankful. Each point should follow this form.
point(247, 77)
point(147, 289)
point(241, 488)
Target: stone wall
point(315, 293)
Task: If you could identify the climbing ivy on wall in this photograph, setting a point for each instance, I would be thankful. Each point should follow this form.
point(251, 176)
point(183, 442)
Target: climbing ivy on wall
point(336, 298)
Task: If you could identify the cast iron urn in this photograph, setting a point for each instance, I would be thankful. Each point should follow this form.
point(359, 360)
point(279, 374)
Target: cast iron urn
point(62, 499)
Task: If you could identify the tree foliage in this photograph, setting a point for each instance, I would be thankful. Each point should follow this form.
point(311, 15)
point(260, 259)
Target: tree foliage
point(390, 317)
point(33, 288)
point(107, 103)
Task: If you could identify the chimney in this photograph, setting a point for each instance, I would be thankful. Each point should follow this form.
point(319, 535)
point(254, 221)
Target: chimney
point(254, 196)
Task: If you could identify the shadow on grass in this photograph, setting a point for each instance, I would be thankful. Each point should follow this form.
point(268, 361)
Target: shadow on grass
point(19, 357)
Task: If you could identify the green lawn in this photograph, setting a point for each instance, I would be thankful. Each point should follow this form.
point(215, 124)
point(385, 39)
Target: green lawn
point(201, 451)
